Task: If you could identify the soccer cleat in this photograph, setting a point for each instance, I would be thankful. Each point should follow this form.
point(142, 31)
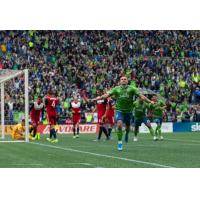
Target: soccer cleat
point(161, 137)
point(74, 136)
point(77, 136)
point(135, 139)
point(49, 139)
point(96, 140)
point(31, 138)
point(54, 141)
point(119, 146)
point(126, 138)
point(37, 137)
point(155, 138)
point(111, 137)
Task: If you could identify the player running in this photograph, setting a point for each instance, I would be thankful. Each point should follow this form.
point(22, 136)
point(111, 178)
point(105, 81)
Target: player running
point(36, 113)
point(157, 110)
point(123, 94)
point(76, 115)
point(140, 108)
point(51, 101)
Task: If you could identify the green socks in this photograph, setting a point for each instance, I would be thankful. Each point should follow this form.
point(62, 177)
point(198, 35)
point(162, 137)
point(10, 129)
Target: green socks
point(119, 134)
point(135, 133)
point(151, 131)
point(158, 130)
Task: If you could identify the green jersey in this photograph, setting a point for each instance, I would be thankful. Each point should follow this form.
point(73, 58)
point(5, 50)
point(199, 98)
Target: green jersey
point(157, 108)
point(124, 97)
point(140, 109)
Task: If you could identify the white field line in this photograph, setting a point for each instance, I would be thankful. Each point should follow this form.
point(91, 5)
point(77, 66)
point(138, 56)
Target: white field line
point(103, 155)
point(182, 140)
point(26, 164)
point(17, 141)
point(85, 164)
point(41, 165)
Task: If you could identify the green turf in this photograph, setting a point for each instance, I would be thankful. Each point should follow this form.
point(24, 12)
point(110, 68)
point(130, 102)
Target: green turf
point(177, 150)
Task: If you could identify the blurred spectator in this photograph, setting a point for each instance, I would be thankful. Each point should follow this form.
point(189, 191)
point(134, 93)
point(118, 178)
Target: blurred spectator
point(167, 62)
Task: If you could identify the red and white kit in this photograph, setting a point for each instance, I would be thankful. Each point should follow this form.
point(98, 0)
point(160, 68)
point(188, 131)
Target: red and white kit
point(101, 110)
point(35, 112)
point(51, 103)
point(76, 112)
point(110, 111)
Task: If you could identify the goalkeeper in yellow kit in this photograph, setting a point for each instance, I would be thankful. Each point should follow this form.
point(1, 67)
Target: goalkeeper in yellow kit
point(18, 132)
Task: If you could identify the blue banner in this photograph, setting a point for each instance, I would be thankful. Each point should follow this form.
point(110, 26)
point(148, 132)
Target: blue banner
point(186, 127)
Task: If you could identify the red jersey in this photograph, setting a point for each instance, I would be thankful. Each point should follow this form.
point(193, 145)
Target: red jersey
point(101, 107)
point(35, 112)
point(51, 103)
point(76, 107)
point(110, 108)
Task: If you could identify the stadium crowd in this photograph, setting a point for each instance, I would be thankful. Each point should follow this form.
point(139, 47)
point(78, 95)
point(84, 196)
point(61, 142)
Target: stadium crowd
point(165, 62)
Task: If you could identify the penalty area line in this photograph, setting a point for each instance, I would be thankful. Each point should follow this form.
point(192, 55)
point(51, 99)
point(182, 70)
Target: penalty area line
point(103, 155)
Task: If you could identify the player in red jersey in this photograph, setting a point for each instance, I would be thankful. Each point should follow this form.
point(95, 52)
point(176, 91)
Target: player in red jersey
point(109, 115)
point(101, 111)
point(51, 101)
point(36, 112)
point(76, 115)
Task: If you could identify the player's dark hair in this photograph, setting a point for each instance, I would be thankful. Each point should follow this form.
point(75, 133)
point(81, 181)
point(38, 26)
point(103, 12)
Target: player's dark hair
point(50, 92)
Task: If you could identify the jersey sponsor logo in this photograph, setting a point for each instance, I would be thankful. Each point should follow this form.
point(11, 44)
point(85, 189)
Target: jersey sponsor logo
point(124, 95)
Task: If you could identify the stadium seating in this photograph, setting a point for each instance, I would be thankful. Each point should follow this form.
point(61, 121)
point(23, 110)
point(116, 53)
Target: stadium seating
point(166, 62)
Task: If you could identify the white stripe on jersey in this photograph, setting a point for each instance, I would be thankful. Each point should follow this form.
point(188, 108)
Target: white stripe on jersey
point(76, 105)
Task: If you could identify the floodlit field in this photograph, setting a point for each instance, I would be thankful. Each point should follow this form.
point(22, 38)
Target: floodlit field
point(177, 150)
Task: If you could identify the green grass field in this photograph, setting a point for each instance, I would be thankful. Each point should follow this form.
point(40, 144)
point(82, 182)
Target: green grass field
point(177, 150)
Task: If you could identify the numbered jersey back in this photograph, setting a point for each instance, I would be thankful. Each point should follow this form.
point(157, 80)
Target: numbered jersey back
point(52, 102)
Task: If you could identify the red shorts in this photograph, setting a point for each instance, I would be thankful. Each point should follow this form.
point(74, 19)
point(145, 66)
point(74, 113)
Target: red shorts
point(76, 119)
point(100, 120)
point(110, 119)
point(52, 119)
point(35, 120)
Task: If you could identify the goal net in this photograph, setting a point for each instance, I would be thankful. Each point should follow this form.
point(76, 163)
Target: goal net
point(14, 103)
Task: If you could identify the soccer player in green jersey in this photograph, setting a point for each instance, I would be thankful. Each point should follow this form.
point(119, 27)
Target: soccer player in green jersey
point(157, 110)
point(140, 108)
point(123, 94)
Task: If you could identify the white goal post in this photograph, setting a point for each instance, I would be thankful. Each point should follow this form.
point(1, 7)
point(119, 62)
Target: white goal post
point(6, 75)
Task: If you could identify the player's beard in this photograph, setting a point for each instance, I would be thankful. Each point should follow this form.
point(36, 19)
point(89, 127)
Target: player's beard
point(124, 86)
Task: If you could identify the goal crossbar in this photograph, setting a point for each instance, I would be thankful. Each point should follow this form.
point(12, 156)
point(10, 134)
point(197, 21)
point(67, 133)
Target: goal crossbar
point(4, 77)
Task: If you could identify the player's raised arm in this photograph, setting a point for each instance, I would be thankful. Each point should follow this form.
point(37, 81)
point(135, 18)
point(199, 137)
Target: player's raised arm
point(146, 99)
point(104, 96)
